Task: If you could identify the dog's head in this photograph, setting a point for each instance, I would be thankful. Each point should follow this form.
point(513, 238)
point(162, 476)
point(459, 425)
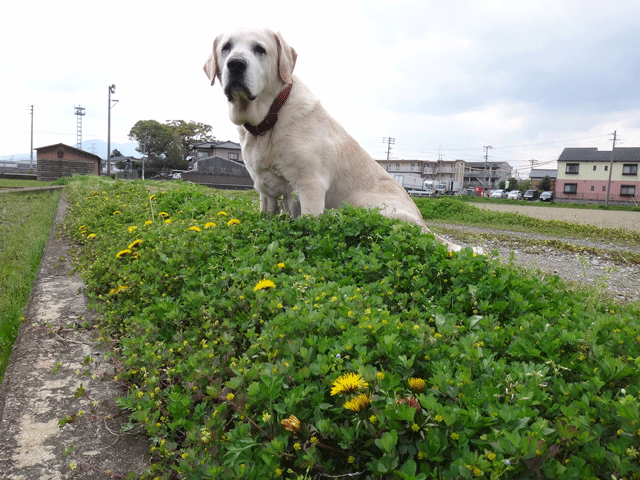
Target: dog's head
point(250, 63)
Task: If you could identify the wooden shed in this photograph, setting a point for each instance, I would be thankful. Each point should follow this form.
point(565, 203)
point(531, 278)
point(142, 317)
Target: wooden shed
point(60, 160)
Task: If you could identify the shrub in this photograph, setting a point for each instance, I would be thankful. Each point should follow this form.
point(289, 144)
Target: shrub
point(347, 346)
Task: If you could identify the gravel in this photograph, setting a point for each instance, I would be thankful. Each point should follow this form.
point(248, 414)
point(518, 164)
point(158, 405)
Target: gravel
point(618, 280)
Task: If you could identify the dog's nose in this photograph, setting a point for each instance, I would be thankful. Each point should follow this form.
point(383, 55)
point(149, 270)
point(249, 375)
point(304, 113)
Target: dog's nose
point(236, 66)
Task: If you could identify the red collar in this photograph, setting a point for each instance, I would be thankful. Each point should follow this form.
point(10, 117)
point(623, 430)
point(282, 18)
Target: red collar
point(272, 117)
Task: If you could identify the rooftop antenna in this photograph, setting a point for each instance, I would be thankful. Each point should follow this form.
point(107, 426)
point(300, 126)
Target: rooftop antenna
point(79, 113)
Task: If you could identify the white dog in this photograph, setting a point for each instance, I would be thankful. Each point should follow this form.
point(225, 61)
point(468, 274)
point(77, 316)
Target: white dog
point(293, 149)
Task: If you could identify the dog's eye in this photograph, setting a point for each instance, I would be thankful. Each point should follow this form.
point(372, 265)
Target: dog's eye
point(259, 50)
point(226, 47)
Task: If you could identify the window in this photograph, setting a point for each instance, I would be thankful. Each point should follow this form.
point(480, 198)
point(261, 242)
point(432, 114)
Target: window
point(606, 168)
point(233, 156)
point(570, 188)
point(630, 169)
point(604, 189)
point(202, 154)
point(594, 168)
point(593, 187)
point(572, 168)
point(627, 190)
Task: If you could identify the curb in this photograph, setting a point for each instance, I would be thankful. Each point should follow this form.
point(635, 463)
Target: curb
point(55, 359)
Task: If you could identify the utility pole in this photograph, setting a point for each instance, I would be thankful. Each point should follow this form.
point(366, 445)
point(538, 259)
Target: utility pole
point(112, 89)
point(31, 157)
point(486, 165)
point(389, 141)
point(611, 167)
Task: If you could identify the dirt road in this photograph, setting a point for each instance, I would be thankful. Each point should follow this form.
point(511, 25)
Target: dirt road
point(598, 218)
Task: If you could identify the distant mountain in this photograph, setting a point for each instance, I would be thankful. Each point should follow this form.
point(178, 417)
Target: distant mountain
point(97, 147)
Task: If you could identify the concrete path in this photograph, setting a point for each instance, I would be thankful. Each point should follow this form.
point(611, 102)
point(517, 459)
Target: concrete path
point(51, 360)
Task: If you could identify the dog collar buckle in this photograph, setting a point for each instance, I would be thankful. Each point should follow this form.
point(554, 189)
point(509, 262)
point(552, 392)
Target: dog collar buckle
point(272, 117)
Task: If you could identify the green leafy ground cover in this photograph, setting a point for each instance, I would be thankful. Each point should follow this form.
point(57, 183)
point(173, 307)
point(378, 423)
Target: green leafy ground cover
point(347, 346)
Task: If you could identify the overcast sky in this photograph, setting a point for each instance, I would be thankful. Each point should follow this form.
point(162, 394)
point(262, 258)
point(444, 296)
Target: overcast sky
point(445, 79)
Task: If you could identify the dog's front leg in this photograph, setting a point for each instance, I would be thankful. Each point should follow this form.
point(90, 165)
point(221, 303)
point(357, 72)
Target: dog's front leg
point(268, 204)
point(312, 199)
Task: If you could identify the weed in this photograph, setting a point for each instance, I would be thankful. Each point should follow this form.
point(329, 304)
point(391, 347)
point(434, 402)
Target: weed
point(347, 345)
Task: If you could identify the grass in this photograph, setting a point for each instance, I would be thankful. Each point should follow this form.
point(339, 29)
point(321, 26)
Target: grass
point(26, 220)
point(346, 346)
point(12, 183)
point(455, 210)
point(577, 205)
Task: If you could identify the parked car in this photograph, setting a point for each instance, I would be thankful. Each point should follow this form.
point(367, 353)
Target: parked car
point(546, 196)
point(515, 195)
point(530, 195)
point(498, 194)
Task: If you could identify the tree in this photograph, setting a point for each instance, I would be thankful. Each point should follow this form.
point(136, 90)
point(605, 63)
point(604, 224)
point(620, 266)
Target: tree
point(168, 144)
point(116, 153)
point(177, 154)
point(524, 185)
point(155, 135)
point(191, 132)
point(545, 184)
point(513, 183)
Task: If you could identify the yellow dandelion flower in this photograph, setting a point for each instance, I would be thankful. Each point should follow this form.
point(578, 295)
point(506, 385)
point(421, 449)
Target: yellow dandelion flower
point(222, 213)
point(297, 446)
point(291, 424)
point(91, 235)
point(132, 228)
point(148, 222)
point(123, 253)
point(209, 225)
point(134, 244)
point(233, 221)
point(167, 220)
point(163, 214)
point(348, 383)
point(117, 212)
point(264, 284)
point(230, 396)
point(358, 403)
point(281, 265)
point(194, 228)
point(416, 384)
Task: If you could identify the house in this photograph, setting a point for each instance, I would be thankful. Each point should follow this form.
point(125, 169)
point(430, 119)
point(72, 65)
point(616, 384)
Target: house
point(228, 150)
point(538, 174)
point(128, 164)
point(60, 160)
point(412, 173)
point(590, 175)
point(220, 172)
point(486, 175)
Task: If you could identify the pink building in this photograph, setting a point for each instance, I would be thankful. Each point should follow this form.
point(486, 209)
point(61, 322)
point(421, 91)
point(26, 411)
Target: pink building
point(584, 174)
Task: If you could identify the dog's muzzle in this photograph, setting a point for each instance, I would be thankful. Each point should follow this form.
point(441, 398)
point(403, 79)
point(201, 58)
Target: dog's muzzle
point(237, 68)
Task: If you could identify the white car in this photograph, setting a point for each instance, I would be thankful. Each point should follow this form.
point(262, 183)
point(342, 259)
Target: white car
point(515, 195)
point(498, 194)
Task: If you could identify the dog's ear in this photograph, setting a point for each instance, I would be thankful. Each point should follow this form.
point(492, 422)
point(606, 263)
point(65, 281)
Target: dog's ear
point(286, 59)
point(211, 65)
